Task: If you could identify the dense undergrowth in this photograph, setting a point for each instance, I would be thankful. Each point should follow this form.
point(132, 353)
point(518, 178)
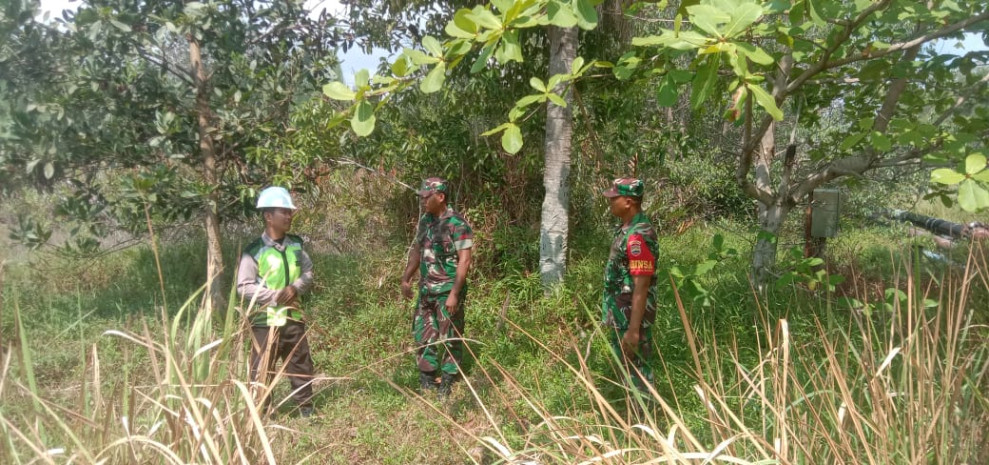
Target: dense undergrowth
point(888, 366)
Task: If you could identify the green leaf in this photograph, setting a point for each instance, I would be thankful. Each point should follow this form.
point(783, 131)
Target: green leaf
point(363, 120)
point(680, 76)
point(946, 176)
point(361, 78)
point(503, 5)
point(626, 66)
point(484, 18)
point(741, 18)
point(400, 67)
point(509, 50)
point(337, 90)
point(765, 101)
point(120, 25)
point(432, 46)
point(556, 99)
point(755, 54)
point(704, 80)
point(975, 163)
point(495, 130)
point(972, 197)
point(708, 18)
point(587, 16)
point(560, 15)
point(981, 176)
point(461, 26)
point(852, 140)
point(49, 170)
point(667, 94)
point(529, 100)
point(537, 84)
point(511, 139)
point(576, 65)
point(880, 142)
point(482, 59)
point(434, 80)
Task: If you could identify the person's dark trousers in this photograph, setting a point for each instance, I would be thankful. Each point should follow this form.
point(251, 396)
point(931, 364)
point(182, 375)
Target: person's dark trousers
point(291, 345)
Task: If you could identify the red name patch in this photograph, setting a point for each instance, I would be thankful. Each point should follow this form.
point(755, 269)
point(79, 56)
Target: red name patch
point(640, 259)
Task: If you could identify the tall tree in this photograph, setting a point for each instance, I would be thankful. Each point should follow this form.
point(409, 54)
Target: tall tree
point(555, 219)
point(189, 103)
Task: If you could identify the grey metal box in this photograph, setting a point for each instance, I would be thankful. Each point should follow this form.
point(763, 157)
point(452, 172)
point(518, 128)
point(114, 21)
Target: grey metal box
point(825, 212)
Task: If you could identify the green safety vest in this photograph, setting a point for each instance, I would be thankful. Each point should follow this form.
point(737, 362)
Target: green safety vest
point(277, 269)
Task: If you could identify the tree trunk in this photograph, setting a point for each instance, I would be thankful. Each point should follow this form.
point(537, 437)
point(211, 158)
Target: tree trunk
point(764, 253)
point(554, 222)
point(214, 295)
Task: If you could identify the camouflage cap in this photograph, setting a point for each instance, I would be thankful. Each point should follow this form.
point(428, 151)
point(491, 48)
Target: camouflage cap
point(433, 185)
point(628, 187)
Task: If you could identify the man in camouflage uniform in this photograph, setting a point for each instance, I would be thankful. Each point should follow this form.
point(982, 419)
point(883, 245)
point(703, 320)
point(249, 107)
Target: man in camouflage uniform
point(629, 306)
point(274, 273)
point(442, 253)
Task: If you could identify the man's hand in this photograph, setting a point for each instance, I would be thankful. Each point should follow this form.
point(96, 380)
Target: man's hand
point(451, 304)
point(630, 342)
point(286, 295)
point(406, 289)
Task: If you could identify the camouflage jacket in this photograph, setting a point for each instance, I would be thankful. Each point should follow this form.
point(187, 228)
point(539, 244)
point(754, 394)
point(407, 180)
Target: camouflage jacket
point(439, 241)
point(633, 253)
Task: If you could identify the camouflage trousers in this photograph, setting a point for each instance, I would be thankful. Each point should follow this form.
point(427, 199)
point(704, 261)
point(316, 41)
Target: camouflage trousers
point(438, 335)
point(641, 360)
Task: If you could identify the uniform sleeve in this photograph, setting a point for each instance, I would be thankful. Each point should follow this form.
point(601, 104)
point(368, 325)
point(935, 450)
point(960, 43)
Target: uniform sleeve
point(247, 283)
point(304, 283)
point(463, 236)
point(641, 259)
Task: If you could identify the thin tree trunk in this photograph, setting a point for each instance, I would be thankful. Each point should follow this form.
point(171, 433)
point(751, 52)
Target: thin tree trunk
point(554, 222)
point(214, 296)
point(764, 253)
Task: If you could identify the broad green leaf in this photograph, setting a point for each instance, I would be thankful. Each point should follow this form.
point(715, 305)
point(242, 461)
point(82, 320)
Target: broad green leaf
point(482, 58)
point(419, 58)
point(576, 65)
point(946, 176)
point(765, 101)
point(361, 78)
point(337, 90)
point(529, 100)
point(981, 176)
point(496, 130)
point(120, 25)
point(484, 18)
point(626, 66)
point(742, 17)
point(666, 94)
point(681, 76)
point(363, 120)
point(503, 5)
point(880, 142)
point(400, 67)
point(972, 197)
point(587, 16)
point(560, 15)
point(434, 80)
point(461, 26)
point(49, 170)
point(975, 163)
point(708, 18)
point(509, 50)
point(511, 139)
point(704, 267)
point(815, 14)
point(432, 46)
point(851, 140)
point(537, 84)
point(557, 100)
point(704, 80)
point(755, 54)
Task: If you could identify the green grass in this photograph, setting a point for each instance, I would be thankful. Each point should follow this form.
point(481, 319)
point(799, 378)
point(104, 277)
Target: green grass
point(540, 369)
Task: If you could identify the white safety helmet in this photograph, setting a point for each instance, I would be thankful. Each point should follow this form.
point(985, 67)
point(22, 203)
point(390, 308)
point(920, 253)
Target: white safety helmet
point(275, 197)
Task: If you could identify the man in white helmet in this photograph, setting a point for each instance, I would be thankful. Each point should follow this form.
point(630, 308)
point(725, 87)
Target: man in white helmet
point(274, 273)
